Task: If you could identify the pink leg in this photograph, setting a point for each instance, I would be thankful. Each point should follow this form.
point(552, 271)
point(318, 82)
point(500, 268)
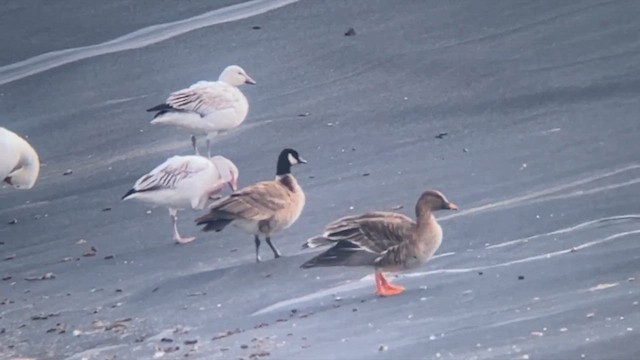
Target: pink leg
point(176, 236)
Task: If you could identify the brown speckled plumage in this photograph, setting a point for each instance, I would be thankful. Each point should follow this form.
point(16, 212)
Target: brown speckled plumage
point(384, 240)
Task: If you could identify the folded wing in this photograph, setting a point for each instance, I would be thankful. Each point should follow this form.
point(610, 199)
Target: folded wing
point(254, 203)
point(203, 98)
point(360, 239)
point(169, 175)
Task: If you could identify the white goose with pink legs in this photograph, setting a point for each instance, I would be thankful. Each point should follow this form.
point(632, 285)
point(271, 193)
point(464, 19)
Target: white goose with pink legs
point(182, 182)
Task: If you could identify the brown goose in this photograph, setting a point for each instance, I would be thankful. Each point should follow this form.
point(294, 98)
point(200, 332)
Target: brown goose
point(387, 241)
point(264, 208)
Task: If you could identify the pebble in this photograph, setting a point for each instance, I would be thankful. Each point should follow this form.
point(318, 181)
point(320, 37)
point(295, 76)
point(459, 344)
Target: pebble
point(350, 32)
point(383, 348)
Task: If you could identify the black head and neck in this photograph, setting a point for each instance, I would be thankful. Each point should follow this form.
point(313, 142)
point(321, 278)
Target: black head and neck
point(288, 158)
point(432, 200)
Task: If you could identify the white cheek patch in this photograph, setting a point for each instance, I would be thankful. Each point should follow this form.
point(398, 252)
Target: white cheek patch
point(292, 160)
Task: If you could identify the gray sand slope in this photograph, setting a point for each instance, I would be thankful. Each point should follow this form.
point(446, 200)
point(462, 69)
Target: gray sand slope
point(539, 100)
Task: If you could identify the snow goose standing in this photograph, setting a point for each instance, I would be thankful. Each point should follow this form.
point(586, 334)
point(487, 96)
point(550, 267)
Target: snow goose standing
point(207, 107)
point(264, 208)
point(19, 162)
point(385, 241)
point(183, 181)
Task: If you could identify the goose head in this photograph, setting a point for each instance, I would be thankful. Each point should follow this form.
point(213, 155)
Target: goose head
point(235, 75)
point(26, 172)
point(432, 200)
point(24, 178)
point(228, 171)
point(286, 159)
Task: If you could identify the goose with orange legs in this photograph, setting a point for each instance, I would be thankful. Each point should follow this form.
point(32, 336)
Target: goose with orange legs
point(386, 241)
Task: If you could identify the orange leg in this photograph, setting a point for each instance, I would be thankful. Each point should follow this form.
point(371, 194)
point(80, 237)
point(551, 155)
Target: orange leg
point(384, 288)
point(386, 283)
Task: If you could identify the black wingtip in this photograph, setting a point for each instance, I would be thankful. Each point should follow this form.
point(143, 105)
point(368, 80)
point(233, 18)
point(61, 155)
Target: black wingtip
point(216, 225)
point(162, 112)
point(130, 192)
point(161, 107)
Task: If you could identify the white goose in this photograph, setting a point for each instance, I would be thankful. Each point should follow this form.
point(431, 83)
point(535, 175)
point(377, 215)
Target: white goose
point(19, 162)
point(207, 107)
point(184, 181)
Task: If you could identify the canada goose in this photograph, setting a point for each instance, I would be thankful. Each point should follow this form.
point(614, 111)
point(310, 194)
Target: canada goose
point(264, 208)
point(387, 241)
point(183, 181)
point(19, 162)
point(207, 107)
